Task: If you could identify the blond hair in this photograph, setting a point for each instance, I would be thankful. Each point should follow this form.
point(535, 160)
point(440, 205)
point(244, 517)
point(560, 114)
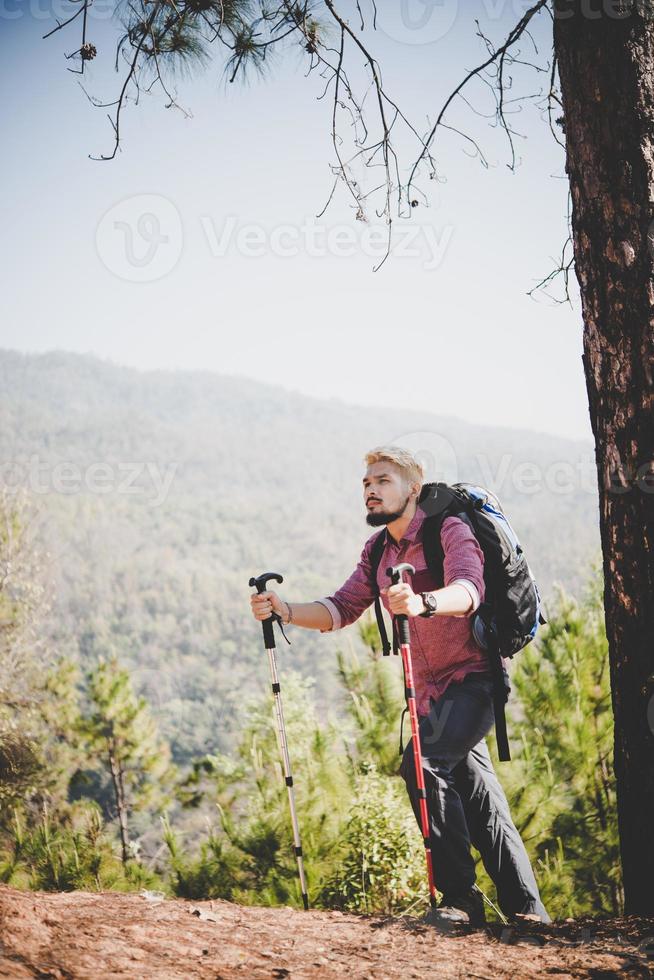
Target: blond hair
point(409, 466)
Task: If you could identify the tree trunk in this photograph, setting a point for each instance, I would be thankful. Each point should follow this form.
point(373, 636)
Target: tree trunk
point(605, 53)
point(121, 804)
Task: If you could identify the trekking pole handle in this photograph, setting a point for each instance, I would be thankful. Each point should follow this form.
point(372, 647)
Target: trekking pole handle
point(395, 575)
point(259, 582)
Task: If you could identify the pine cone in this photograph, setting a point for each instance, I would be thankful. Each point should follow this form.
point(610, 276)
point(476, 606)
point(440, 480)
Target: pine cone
point(88, 51)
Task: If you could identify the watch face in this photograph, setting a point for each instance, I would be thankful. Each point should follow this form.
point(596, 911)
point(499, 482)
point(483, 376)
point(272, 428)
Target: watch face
point(429, 601)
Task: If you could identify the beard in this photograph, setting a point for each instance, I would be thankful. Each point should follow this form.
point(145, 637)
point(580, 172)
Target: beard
point(379, 518)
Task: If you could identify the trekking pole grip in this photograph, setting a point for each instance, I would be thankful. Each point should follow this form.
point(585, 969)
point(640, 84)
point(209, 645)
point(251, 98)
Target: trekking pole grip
point(395, 575)
point(259, 582)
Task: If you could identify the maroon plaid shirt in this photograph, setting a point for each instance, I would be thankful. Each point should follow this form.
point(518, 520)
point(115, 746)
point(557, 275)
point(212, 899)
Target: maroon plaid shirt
point(442, 647)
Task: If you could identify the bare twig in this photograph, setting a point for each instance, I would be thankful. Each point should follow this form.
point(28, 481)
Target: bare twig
point(562, 268)
point(495, 56)
point(161, 33)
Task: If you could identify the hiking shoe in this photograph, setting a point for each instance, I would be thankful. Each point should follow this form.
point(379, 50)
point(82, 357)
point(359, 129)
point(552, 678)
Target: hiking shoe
point(527, 917)
point(464, 909)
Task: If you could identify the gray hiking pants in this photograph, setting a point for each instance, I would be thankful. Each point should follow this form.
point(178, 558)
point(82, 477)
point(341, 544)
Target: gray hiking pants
point(465, 800)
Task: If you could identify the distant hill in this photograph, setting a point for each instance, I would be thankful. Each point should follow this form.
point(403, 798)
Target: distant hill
point(160, 493)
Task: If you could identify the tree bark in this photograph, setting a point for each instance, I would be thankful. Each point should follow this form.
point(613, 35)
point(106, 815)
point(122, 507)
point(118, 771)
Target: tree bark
point(605, 53)
point(121, 804)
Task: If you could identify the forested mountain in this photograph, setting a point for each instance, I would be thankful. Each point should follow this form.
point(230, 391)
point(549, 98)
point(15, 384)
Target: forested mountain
point(158, 494)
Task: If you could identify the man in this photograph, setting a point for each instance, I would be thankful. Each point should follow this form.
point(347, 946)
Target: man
point(453, 690)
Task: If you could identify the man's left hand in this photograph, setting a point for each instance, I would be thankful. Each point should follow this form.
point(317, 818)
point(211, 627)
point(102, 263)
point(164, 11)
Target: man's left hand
point(403, 601)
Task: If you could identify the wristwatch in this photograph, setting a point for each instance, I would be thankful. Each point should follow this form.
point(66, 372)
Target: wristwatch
point(430, 604)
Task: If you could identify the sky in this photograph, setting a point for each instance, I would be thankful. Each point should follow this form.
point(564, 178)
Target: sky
point(199, 246)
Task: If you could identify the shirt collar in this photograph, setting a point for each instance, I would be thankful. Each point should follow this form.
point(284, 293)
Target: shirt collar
point(412, 529)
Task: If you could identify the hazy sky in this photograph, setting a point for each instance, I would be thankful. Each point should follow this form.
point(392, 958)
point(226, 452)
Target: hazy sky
point(199, 246)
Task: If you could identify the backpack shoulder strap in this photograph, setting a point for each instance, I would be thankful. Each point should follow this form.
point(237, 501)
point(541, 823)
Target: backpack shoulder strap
point(376, 552)
point(433, 548)
point(432, 544)
point(439, 501)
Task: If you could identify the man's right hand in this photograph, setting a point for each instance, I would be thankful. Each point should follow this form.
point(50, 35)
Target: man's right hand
point(265, 603)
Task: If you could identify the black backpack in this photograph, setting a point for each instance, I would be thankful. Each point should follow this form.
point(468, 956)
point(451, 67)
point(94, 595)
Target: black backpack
point(507, 619)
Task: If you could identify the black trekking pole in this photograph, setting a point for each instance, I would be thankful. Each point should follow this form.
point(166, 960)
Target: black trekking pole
point(269, 642)
point(395, 574)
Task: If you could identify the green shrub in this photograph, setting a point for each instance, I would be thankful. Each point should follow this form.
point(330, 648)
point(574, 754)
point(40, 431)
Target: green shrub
point(380, 858)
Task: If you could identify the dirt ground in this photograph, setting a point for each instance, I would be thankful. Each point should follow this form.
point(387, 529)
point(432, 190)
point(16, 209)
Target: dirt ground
point(107, 935)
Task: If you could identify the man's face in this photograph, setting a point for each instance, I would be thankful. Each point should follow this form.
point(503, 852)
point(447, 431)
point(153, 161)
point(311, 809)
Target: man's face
point(385, 493)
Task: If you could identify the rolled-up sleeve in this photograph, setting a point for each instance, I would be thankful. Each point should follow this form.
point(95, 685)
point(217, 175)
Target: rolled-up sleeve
point(463, 560)
point(354, 596)
point(472, 592)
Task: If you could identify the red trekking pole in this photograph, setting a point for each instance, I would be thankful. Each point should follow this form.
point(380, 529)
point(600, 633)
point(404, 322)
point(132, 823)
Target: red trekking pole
point(395, 574)
point(259, 582)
